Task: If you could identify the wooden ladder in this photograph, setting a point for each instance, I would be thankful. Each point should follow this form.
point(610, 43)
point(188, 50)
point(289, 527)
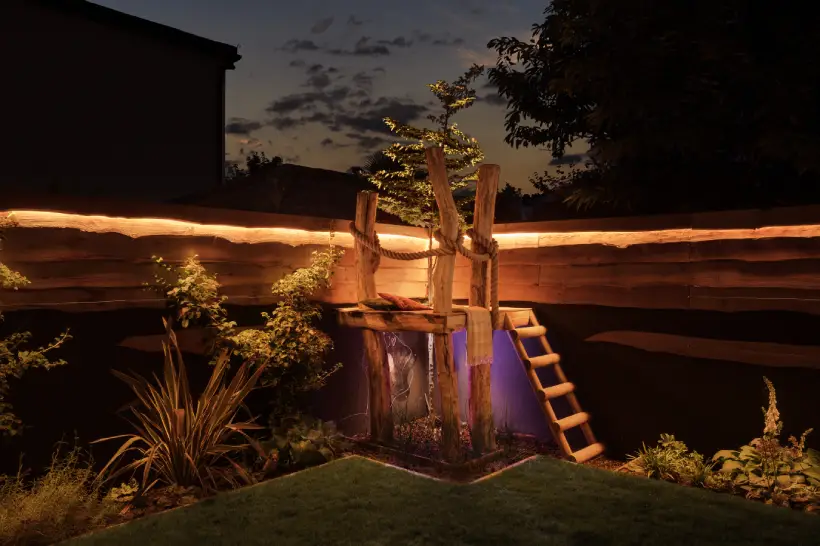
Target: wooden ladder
point(562, 388)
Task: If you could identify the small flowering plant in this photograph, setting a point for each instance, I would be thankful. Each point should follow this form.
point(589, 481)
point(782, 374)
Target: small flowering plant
point(785, 475)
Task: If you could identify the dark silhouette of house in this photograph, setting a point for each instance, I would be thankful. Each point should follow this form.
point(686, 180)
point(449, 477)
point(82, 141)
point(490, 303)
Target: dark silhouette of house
point(291, 189)
point(98, 102)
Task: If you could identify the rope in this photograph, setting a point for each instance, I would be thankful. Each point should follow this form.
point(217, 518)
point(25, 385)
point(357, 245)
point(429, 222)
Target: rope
point(488, 253)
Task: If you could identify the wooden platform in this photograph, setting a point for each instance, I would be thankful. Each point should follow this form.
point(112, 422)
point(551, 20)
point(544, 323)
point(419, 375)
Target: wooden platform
point(419, 321)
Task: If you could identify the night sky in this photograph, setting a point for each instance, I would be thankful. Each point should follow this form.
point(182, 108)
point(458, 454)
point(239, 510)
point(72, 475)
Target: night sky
point(317, 76)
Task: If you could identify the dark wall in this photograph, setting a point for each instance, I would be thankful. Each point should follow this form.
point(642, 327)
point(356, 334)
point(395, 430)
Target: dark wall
point(96, 110)
point(633, 395)
point(636, 395)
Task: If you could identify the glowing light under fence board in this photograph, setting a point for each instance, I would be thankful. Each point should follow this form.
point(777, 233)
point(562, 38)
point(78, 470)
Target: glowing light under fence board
point(144, 227)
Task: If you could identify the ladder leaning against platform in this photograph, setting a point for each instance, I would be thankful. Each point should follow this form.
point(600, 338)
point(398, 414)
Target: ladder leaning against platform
point(563, 387)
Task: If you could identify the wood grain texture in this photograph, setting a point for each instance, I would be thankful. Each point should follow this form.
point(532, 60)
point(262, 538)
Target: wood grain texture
point(443, 303)
point(378, 367)
point(747, 352)
point(480, 404)
point(81, 268)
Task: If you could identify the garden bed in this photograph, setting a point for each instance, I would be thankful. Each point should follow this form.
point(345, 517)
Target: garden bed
point(417, 447)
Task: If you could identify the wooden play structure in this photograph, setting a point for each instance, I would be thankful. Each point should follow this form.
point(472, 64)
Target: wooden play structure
point(445, 319)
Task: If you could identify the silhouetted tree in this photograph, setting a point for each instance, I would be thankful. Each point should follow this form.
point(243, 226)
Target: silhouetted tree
point(685, 104)
point(508, 204)
point(253, 162)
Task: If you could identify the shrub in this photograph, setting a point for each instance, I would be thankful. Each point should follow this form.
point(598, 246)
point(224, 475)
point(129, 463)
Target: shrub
point(289, 341)
point(672, 461)
point(15, 358)
point(63, 503)
point(181, 442)
point(193, 295)
point(300, 441)
point(777, 474)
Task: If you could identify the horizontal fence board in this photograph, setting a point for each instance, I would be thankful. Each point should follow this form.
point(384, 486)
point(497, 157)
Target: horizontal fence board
point(540, 262)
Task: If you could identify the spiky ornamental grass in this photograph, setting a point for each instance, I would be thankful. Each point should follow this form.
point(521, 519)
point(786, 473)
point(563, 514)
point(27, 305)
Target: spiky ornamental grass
point(180, 441)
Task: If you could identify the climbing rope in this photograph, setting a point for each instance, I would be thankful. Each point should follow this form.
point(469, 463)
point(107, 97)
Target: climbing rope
point(488, 253)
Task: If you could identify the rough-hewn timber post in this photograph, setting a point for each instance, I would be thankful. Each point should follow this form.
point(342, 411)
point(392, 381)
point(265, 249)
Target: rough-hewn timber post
point(443, 303)
point(378, 373)
point(482, 432)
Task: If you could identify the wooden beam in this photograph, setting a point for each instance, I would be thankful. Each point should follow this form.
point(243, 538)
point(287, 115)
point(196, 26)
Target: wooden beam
point(443, 303)
point(378, 372)
point(408, 321)
point(482, 433)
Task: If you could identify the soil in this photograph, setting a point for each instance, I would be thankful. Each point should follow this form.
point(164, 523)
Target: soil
point(417, 447)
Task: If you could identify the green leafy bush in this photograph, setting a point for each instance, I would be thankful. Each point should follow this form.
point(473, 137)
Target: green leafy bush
point(289, 341)
point(764, 469)
point(672, 461)
point(302, 441)
point(179, 441)
point(15, 358)
point(193, 294)
point(63, 503)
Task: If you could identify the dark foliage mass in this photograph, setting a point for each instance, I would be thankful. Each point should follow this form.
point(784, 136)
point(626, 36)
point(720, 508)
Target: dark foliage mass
point(686, 104)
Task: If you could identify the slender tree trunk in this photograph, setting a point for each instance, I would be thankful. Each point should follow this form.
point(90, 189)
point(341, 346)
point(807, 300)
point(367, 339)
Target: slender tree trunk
point(431, 368)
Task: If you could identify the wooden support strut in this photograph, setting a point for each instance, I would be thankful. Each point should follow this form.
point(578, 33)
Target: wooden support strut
point(482, 433)
point(443, 303)
point(378, 372)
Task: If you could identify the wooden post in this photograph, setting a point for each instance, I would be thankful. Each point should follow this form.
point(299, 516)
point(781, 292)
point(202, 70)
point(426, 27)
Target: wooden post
point(443, 303)
point(482, 433)
point(378, 372)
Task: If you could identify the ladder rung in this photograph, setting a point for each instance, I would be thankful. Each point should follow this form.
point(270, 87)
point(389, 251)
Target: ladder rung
point(543, 360)
point(572, 421)
point(589, 452)
point(530, 331)
point(562, 389)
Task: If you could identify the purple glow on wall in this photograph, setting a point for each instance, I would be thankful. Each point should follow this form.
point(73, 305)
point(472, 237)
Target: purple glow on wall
point(514, 402)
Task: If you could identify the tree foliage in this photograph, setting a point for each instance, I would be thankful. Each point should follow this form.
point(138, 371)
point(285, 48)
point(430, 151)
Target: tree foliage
point(253, 162)
point(401, 171)
point(684, 104)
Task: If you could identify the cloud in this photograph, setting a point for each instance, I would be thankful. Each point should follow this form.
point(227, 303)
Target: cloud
point(494, 99)
point(319, 76)
point(242, 126)
point(448, 42)
point(422, 37)
point(398, 41)
point(297, 62)
point(371, 117)
point(345, 110)
point(363, 48)
point(326, 143)
point(481, 57)
point(362, 80)
point(353, 22)
point(368, 143)
point(321, 26)
point(294, 45)
point(568, 159)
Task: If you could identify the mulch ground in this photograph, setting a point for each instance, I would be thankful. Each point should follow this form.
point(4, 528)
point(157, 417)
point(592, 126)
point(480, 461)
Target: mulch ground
point(417, 447)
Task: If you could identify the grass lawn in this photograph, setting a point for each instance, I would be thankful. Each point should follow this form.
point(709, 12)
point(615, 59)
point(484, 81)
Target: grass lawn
point(359, 502)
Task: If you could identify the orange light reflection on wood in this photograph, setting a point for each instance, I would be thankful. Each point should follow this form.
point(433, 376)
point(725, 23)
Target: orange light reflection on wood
point(145, 227)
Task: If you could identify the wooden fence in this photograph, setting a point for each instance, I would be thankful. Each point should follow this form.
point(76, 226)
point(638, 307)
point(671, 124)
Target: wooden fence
point(83, 255)
point(642, 309)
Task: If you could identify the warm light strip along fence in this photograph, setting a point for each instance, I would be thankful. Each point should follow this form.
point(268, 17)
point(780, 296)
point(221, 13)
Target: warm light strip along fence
point(146, 227)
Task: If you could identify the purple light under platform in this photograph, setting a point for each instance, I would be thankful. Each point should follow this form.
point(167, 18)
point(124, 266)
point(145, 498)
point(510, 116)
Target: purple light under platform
point(515, 405)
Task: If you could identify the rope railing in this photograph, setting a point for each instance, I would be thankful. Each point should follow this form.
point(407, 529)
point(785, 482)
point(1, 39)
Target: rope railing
point(489, 253)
